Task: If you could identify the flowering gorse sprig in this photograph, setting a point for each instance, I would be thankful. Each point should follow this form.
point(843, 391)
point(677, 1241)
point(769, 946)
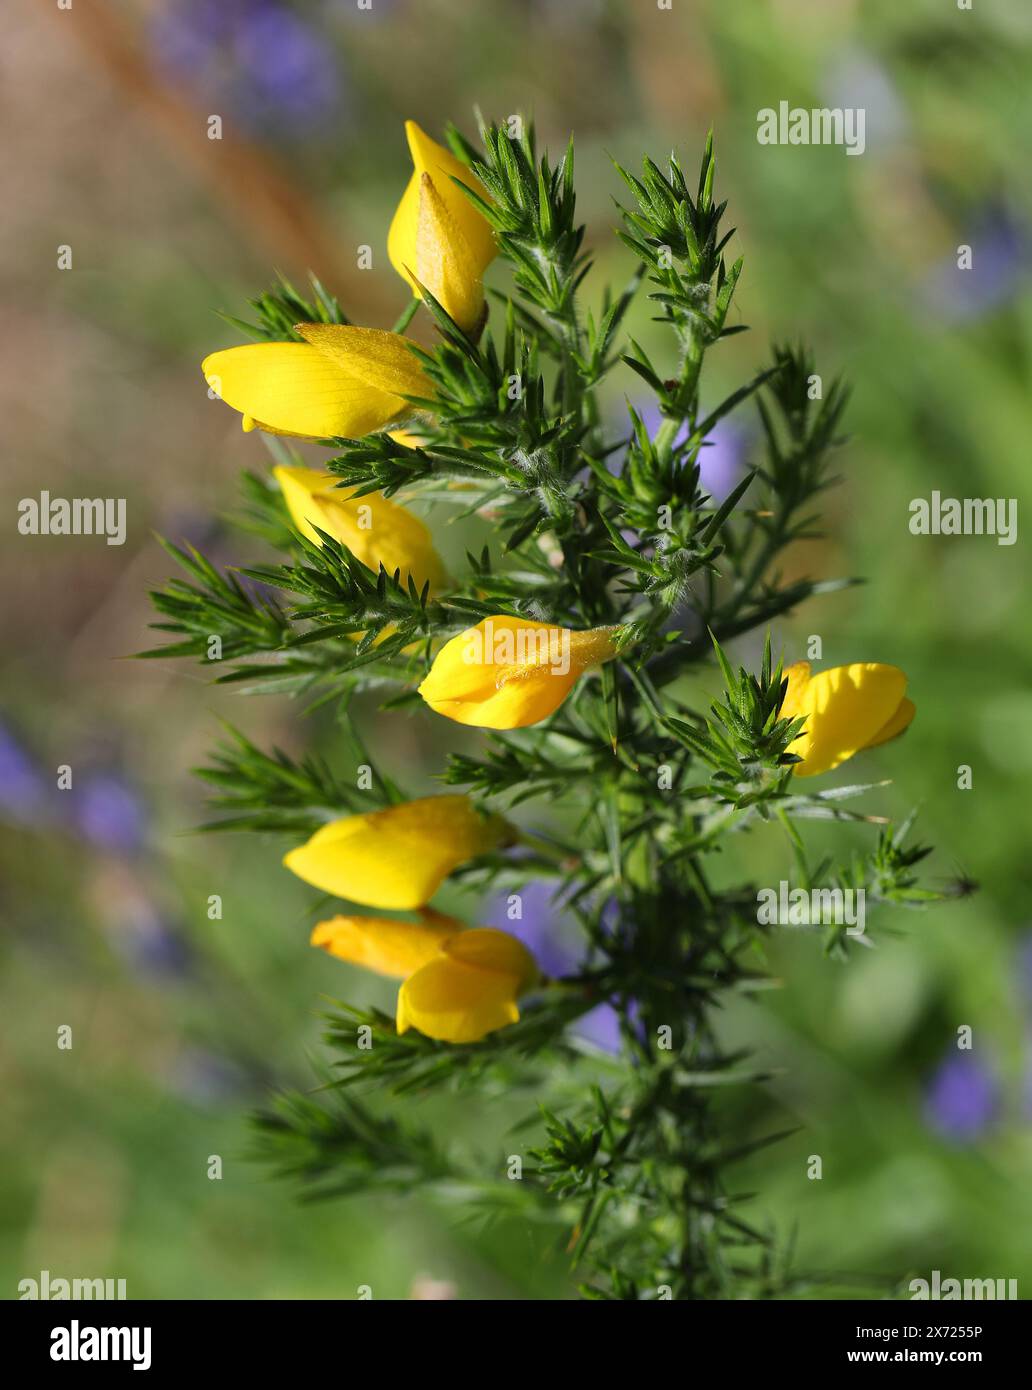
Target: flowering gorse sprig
point(610, 574)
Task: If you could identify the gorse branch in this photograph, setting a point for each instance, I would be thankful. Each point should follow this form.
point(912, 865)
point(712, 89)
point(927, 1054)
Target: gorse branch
point(611, 572)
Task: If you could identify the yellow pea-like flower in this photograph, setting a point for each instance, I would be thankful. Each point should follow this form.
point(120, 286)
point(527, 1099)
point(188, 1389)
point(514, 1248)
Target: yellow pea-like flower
point(458, 985)
point(437, 237)
point(469, 989)
point(847, 708)
point(506, 673)
point(399, 857)
point(341, 380)
point(375, 530)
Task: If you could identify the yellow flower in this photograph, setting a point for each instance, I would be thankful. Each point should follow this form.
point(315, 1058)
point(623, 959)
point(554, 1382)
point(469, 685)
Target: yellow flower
point(437, 237)
point(506, 673)
point(847, 708)
point(458, 985)
point(469, 989)
point(399, 857)
point(384, 944)
point(375, 530)
point(341, 380)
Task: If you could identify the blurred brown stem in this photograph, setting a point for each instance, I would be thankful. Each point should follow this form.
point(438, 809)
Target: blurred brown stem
point(259, 195)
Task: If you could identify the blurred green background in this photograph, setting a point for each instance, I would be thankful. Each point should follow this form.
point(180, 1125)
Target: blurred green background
point(181, 1025)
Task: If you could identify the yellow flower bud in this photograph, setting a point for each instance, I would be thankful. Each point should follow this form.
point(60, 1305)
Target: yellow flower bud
point(847, 708)
point(438, 238)
point(399, 857)
point(469, 989)
point(375, 530)
point(506, 673)
point(341, 380)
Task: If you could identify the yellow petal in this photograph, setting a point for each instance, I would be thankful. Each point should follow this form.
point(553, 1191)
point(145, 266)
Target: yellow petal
point(899, 722)
point(396, 858)
point(376, 530)
point(487, 948)
point(290, 388)
point(845, 708)
point(383, 944)
point(428, 157)
point(507, 673)
point(403, 234)
point(381, 361)
point(469, 990)
point(798, 677)
point(444, 262)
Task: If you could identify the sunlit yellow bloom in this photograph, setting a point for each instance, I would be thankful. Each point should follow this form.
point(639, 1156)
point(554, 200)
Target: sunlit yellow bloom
point(469, 989)
point(341, 380)
point(506, 672)
point(384, 944)
point(458, 985)
point(437, 237)
point(375, 530)
point(847, 708)
point(399, 857)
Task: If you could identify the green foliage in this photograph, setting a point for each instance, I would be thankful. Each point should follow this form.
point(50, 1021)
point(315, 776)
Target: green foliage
point(632, 1161)
point(272, 791)
point(216, 605)
point(278, 311)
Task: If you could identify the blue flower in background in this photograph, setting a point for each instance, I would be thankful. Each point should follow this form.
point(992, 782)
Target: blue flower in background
point(962, 1100)
point(999, 255)
point(289, 66)
point(109, 814)
point(601, 1027)
point(150, 944)
point(101, 806)
point(722, 456)
point(23, 792)
point(275, 68)
point(538, 927)
point(543, 930)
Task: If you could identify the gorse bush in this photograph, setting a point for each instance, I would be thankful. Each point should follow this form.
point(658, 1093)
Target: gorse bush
point(611, 575)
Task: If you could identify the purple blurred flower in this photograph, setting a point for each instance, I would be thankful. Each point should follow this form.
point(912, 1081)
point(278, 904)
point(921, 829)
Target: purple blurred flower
point(721, 457)
point(601, 1027)
point(22, 788)
point(109, 813)
point(275, 69)
point(962, 1099)
point(149, 944)
point(186, 36)
point(998, 259)
point(290, 68)
point(539, 927)
point(546, 931)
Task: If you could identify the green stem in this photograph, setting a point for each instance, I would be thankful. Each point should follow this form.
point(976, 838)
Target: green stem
point(406, 316)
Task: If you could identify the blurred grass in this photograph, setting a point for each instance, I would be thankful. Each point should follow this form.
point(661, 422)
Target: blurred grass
point(103, 1159)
